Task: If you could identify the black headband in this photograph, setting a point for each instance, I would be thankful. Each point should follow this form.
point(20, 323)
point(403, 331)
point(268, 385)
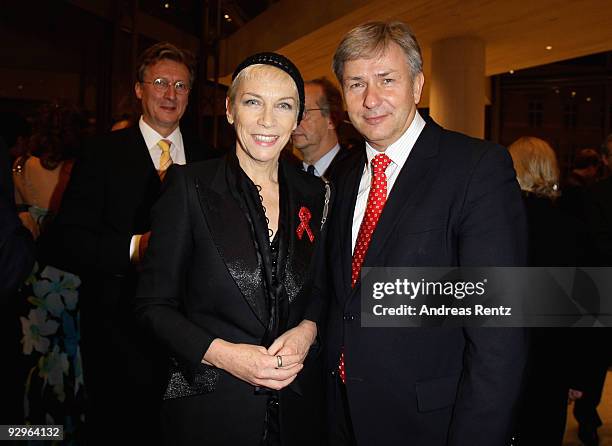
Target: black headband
point(281, 62)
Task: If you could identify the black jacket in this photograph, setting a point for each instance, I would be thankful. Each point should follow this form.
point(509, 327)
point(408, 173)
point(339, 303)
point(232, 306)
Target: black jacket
point(202, 281)
point(455, 202)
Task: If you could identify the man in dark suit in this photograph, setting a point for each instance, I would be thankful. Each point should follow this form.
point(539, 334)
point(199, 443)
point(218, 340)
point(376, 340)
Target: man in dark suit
point(103, 227)
point(594, 364)
point(599, 218)
point(317, 135)
point(444, 199)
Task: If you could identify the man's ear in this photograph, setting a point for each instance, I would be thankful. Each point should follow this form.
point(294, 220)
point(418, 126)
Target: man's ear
point(138, 90)
point(417, 87)
point(228, 111)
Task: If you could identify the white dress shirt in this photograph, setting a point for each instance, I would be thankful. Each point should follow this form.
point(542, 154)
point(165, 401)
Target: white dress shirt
point(323, 163)
point(398, 152)
point(151, 137)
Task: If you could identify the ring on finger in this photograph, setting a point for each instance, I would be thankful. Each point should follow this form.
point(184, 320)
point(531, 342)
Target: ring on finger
point(279, 361)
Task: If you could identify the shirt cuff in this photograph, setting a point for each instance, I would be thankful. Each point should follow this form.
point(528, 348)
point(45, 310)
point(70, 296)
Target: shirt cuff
point(134, 244)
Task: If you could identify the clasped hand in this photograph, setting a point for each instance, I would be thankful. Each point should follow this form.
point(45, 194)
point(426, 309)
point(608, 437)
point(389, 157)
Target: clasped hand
point(260, 366)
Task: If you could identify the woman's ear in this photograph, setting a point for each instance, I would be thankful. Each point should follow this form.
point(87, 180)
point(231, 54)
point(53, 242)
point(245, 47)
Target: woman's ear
point(295, 125)
point(228, 111)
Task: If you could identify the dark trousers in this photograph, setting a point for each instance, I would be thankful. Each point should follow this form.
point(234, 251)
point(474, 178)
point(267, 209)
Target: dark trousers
point(585, 409)
point(340, 426)
point(591, 372)
point(543, 411)
point(124, 381)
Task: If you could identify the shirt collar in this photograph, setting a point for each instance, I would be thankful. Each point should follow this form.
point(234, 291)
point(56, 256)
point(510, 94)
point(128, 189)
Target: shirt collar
point(151, 137)
point(400, 149)
point(323, 163)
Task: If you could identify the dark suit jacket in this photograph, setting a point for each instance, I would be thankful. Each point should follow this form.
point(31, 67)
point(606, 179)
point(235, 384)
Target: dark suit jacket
point(16, 251)
point(599, 218)
point(16, 245)
point(456, 202)
point(336, 165)
point(598, 208)
point(109, 198)
point(202, 280)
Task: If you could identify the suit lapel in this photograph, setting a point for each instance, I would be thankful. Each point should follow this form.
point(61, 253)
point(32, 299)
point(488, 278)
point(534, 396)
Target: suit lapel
point(335, 163)
point(345, 220)
point(138, 173)
point(231, 234)
point(138, 156)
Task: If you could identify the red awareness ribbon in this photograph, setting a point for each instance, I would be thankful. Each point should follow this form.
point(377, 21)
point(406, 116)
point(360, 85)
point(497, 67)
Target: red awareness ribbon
point(305, 216)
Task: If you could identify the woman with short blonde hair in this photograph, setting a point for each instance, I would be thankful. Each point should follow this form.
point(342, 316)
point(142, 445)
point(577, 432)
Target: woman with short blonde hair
point(536, 166)
point(228, 285)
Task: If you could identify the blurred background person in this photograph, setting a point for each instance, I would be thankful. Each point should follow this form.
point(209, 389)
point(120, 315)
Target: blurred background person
point(16, 261)
point(584, 173)
point(103, 228)
point(598, 217)
point(605, 152)
point(555, 239)
point(317, 135)
point(127, 114)
point(599, 210)
point(585, 168)
point(51, 380)
point(41, 175)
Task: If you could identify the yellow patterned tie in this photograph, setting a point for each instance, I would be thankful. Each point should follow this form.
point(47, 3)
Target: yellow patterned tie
point(165, 160)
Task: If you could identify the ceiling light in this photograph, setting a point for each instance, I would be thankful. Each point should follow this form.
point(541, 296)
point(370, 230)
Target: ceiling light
point(166, 5)
point(588, 99)
point(511, 71)
point(226, 16)
point(573, 94)
point(548, 47)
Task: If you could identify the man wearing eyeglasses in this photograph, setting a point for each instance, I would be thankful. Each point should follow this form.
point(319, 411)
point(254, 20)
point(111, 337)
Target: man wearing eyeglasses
point(316, 136)
point(103, 227)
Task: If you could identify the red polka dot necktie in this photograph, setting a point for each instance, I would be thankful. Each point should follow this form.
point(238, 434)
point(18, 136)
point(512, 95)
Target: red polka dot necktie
point(376, 202)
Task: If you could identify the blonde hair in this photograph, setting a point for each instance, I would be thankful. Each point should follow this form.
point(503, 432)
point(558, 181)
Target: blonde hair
point(536, 166)
point(254, 71)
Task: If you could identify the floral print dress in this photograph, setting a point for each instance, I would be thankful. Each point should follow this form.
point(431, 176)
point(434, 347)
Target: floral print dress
point(50, 364)
point(53, 380)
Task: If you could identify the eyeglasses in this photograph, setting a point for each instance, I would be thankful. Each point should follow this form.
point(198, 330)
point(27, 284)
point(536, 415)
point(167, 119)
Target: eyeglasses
point(161, 84)
point(306, 115)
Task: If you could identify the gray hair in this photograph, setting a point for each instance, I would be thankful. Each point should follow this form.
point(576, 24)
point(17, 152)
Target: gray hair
point(372, 39)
